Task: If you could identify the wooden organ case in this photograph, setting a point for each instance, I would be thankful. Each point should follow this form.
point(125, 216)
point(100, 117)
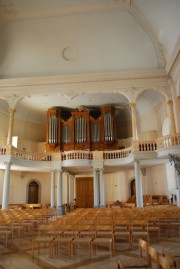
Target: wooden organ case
point(80, 129)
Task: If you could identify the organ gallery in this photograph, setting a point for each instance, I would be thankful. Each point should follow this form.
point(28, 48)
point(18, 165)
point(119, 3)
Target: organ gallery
point(81, 129)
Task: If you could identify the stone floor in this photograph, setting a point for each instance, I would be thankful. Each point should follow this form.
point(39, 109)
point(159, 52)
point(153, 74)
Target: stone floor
point(18, 254)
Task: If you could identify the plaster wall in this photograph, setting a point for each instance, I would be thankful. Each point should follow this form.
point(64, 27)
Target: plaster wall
point(153, 120)
point(156, 180)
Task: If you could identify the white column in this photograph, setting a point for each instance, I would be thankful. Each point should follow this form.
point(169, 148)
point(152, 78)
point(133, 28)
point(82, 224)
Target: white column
point(68, 189)
point(102, 189)
point(134, 124)
point(138, 182)
point(11, 123)
point(52, 188)
point(175, 88)
point(60, 209)
point(96, 188)
point(6, 183)
point(171, 116)
point(59, 188)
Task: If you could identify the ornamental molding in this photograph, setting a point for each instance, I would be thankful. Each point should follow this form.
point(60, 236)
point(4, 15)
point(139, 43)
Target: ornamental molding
point(12, 100)
point(160, 49)
point(133, 93)
point(174, 62)
point(65, 10)
point(7, 11)
point(166, 91)
point(129, 84)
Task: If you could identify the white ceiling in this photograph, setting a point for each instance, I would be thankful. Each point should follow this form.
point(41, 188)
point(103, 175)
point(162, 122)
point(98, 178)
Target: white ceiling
point(64, 37)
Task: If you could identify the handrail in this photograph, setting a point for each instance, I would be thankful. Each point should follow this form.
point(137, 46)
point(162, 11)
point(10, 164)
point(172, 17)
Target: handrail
point(144, 146)
point(77, 155)
point(168, 141)
point(30, 156)
point(117, 154)
point(137, 146)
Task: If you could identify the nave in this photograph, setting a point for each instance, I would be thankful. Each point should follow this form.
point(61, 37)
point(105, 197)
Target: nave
point(18, 253)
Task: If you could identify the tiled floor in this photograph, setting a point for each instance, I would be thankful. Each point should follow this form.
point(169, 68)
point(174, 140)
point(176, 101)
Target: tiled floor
point(18, 255)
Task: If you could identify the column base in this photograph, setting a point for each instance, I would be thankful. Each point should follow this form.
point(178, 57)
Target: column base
point(60, 210)
point(102, 206)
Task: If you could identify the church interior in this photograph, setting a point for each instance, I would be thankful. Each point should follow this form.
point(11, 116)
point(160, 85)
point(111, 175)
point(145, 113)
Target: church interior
point(89, 133)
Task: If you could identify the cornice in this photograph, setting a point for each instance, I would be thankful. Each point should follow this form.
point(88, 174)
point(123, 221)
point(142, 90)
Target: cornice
point(74, 85)
point(11, 15)
point(86, 77)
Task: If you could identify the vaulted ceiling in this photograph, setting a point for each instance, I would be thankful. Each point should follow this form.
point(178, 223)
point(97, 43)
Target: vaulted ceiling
point(63, 38)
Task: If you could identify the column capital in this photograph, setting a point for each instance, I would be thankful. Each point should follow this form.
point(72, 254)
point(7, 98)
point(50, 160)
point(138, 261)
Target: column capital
point(13, 100)
point(169, 102)
point(132, 104)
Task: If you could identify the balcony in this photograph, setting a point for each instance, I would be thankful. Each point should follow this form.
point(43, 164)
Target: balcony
point(139, 150)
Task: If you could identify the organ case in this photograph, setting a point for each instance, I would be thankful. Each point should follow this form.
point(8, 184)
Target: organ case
point(81, 131)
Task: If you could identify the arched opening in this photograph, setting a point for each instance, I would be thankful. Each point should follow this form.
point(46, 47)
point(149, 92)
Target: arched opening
point(33, 193)
point(132, 188)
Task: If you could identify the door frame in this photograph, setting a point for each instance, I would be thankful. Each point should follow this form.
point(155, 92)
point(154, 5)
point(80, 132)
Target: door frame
point(39, 190)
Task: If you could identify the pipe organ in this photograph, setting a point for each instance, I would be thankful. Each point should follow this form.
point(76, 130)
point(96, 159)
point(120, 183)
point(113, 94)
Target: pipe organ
point(81, 129)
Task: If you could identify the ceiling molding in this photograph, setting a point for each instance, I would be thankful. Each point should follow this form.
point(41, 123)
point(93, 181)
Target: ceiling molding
point(84, 77)
point(160, 49)
point(74, 85)
point(10, 15)
point(173, 66)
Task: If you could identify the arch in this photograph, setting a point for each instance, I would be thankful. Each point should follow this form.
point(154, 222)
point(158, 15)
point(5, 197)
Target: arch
point(160, 49)
point(33, 191)
point(165, 91)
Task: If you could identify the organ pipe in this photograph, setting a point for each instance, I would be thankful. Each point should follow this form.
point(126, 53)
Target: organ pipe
point(53, 130)
point(108, 127)
point(83, 130)
point(80, 130)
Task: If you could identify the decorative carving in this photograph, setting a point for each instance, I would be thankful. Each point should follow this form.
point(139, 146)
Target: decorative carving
point(166, 91)
point(120, 2)
point(133, 93)
point(6, 10)
point(69, 53)
point(13, 100)
point(70, 94)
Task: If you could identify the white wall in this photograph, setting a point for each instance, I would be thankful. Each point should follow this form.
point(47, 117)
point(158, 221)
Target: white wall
point(25, 132)
point(116, 184)
point(156, 180)
point(97, 42)
point(171, 177)
point(4, 120)
point(153, 120)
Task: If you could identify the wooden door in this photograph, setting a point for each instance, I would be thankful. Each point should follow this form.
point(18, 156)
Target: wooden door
point(33, 193)
point(84, 192)
point(133, 187)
